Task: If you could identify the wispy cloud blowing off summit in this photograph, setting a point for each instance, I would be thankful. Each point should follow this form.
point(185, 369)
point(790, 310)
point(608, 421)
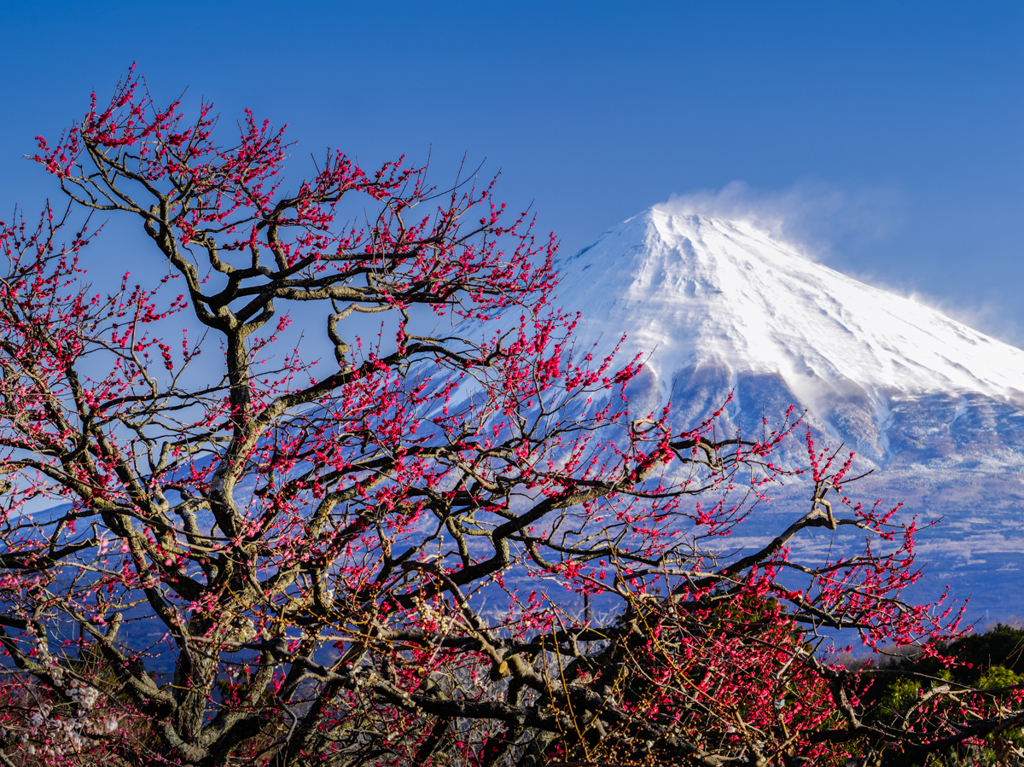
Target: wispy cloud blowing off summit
point(816, 217)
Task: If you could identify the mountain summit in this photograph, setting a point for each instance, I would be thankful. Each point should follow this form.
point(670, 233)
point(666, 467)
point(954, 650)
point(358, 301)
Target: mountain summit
point(718, 306)
point(935, 408)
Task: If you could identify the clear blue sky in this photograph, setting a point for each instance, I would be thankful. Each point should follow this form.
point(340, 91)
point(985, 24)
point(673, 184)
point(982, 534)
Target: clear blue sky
point(891, 133)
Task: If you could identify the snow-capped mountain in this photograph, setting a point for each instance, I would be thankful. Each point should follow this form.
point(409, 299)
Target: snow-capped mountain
point(717, 307)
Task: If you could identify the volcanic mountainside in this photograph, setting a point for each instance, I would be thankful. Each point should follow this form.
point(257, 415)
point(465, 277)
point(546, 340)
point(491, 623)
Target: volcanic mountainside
point(935, 408)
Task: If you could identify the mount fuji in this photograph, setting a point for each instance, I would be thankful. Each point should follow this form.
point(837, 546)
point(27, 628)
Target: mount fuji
point(935, 408)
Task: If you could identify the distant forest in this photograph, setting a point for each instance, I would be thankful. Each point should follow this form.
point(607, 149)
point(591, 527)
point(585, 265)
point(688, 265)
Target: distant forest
point(990, 660)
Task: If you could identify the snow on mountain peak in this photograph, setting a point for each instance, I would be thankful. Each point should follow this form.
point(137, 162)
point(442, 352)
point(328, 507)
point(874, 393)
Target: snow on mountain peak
point(689, 290)
point(932, 407)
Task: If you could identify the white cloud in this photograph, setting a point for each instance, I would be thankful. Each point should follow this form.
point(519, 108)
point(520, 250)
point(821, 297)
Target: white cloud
point(816, 217)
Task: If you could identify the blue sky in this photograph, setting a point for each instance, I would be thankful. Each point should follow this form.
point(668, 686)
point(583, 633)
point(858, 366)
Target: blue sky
point(887, 136)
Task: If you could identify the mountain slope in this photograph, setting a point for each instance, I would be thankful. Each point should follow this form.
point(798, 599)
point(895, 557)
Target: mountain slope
point(720, 306)
point(934, 407)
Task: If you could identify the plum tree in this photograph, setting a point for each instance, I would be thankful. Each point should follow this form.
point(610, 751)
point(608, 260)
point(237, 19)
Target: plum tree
point(451, 543)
